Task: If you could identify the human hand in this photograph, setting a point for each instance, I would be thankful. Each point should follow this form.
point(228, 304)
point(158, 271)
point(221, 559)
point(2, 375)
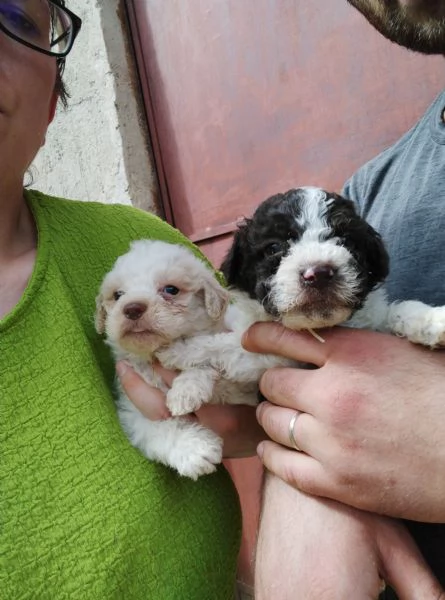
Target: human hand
point(371, 423)
point(235, 424)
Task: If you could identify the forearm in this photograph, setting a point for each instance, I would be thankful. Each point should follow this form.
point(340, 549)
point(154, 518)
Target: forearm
point(312, 548)
point(318, 549)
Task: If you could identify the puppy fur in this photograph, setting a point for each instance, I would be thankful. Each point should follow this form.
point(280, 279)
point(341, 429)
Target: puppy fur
point(308, 260)
point(311, 261)
point(305, 259)
point(155, 294)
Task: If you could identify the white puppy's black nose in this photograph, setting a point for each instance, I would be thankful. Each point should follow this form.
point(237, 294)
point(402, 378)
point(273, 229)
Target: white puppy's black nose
point(318, 276)
point(134, 310)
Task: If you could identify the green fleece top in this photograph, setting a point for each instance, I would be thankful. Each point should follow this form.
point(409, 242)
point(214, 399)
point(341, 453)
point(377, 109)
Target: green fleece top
point(83, 515)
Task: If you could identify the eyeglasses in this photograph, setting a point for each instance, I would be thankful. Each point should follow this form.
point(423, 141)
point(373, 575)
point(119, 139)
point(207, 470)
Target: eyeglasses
point(43, 25)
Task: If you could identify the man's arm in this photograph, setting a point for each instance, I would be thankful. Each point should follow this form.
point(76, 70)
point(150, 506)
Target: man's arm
point(315, 549)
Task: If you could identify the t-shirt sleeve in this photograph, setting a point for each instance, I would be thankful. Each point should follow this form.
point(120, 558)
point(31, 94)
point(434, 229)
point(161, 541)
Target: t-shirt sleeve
point(355, 189)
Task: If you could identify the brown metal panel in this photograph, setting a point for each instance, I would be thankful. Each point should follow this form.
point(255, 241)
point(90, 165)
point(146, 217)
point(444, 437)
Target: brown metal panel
point(250, 97)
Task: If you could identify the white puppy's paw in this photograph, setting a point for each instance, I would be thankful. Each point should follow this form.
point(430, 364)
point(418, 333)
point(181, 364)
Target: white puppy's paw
point(190, 390)
point(197, 453)
point(420, 323)
point(433, 333)
point(182, 401)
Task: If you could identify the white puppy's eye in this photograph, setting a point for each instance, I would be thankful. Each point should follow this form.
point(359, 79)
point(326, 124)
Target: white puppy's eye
point(117, 294)
point(170, 290)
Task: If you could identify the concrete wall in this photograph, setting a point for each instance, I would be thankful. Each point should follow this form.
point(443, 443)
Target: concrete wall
point(99, 148)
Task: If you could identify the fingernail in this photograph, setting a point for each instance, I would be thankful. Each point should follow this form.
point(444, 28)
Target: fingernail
point(259, 411)
point(260, 450)
point(121, 368)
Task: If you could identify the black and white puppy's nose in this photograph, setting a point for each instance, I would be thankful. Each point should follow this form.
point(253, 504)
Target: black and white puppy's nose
point(318, 276)
point(134, 310)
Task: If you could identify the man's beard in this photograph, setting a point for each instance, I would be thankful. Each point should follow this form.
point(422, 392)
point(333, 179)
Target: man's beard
point(419, 26)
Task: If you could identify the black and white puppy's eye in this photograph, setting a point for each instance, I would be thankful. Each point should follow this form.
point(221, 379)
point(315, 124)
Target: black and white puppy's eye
point(274, 248)
point(170, 290)
point(117, 294)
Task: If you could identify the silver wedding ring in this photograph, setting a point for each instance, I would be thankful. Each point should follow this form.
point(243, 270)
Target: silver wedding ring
point(292, 422)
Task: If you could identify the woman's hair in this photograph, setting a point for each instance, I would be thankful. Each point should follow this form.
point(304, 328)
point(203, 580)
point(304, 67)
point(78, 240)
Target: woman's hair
point(60, 84)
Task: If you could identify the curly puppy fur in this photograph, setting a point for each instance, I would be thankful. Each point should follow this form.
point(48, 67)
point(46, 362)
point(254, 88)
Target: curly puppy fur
point(311, 261)
point(155, 294)
point(308, 260)
point(305, 259)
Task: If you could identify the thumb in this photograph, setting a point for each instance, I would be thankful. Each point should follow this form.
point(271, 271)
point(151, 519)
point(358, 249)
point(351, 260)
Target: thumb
point(149, 400)
point(273, 338)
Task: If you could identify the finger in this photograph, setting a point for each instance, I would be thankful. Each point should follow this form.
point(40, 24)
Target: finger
point(272, 338)
point(281, 426)
point(292, 388)
point(298, 469)
point(166, 375)
point(148, 400)
point(404, 566)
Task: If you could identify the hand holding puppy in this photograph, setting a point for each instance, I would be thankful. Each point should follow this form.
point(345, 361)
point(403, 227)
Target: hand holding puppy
point(371, 423)
point(236, 425)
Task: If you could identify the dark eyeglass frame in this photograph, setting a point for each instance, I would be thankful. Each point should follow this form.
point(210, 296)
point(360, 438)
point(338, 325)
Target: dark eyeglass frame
point(75, 20)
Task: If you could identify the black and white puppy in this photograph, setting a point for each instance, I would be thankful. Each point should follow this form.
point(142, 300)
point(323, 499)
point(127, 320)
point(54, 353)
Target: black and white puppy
point(311, 261)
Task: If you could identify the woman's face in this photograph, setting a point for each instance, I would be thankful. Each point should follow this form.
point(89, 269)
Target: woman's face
point(27, 104)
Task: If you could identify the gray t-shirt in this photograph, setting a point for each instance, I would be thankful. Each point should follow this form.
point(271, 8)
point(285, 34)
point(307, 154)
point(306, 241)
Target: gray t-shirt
point(401, 193)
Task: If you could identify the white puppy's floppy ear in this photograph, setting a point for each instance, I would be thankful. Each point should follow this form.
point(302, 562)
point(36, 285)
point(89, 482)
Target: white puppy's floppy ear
point(101, 314)
point(216, 297)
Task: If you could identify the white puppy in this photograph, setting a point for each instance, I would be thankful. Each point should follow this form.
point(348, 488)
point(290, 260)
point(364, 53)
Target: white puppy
point(155, 294)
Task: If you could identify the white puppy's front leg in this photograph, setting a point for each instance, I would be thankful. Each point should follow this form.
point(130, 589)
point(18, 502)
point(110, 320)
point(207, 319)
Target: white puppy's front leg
point(181, 444)
point(420, 323)
point(191, 389)
point(222, 352)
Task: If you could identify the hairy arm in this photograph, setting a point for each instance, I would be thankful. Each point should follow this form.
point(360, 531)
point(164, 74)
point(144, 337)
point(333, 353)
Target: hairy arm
point(318, 549)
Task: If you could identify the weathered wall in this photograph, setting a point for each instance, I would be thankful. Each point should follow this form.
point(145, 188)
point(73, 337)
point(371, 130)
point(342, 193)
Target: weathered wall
point(99, 148)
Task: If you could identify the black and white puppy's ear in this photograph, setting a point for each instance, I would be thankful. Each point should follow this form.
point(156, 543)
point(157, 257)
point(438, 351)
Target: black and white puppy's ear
point(233, 266)
point(232, 263)
point(377, 257)
point(364, 242)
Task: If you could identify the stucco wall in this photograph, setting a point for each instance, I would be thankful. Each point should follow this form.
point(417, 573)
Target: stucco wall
point(99, 148)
